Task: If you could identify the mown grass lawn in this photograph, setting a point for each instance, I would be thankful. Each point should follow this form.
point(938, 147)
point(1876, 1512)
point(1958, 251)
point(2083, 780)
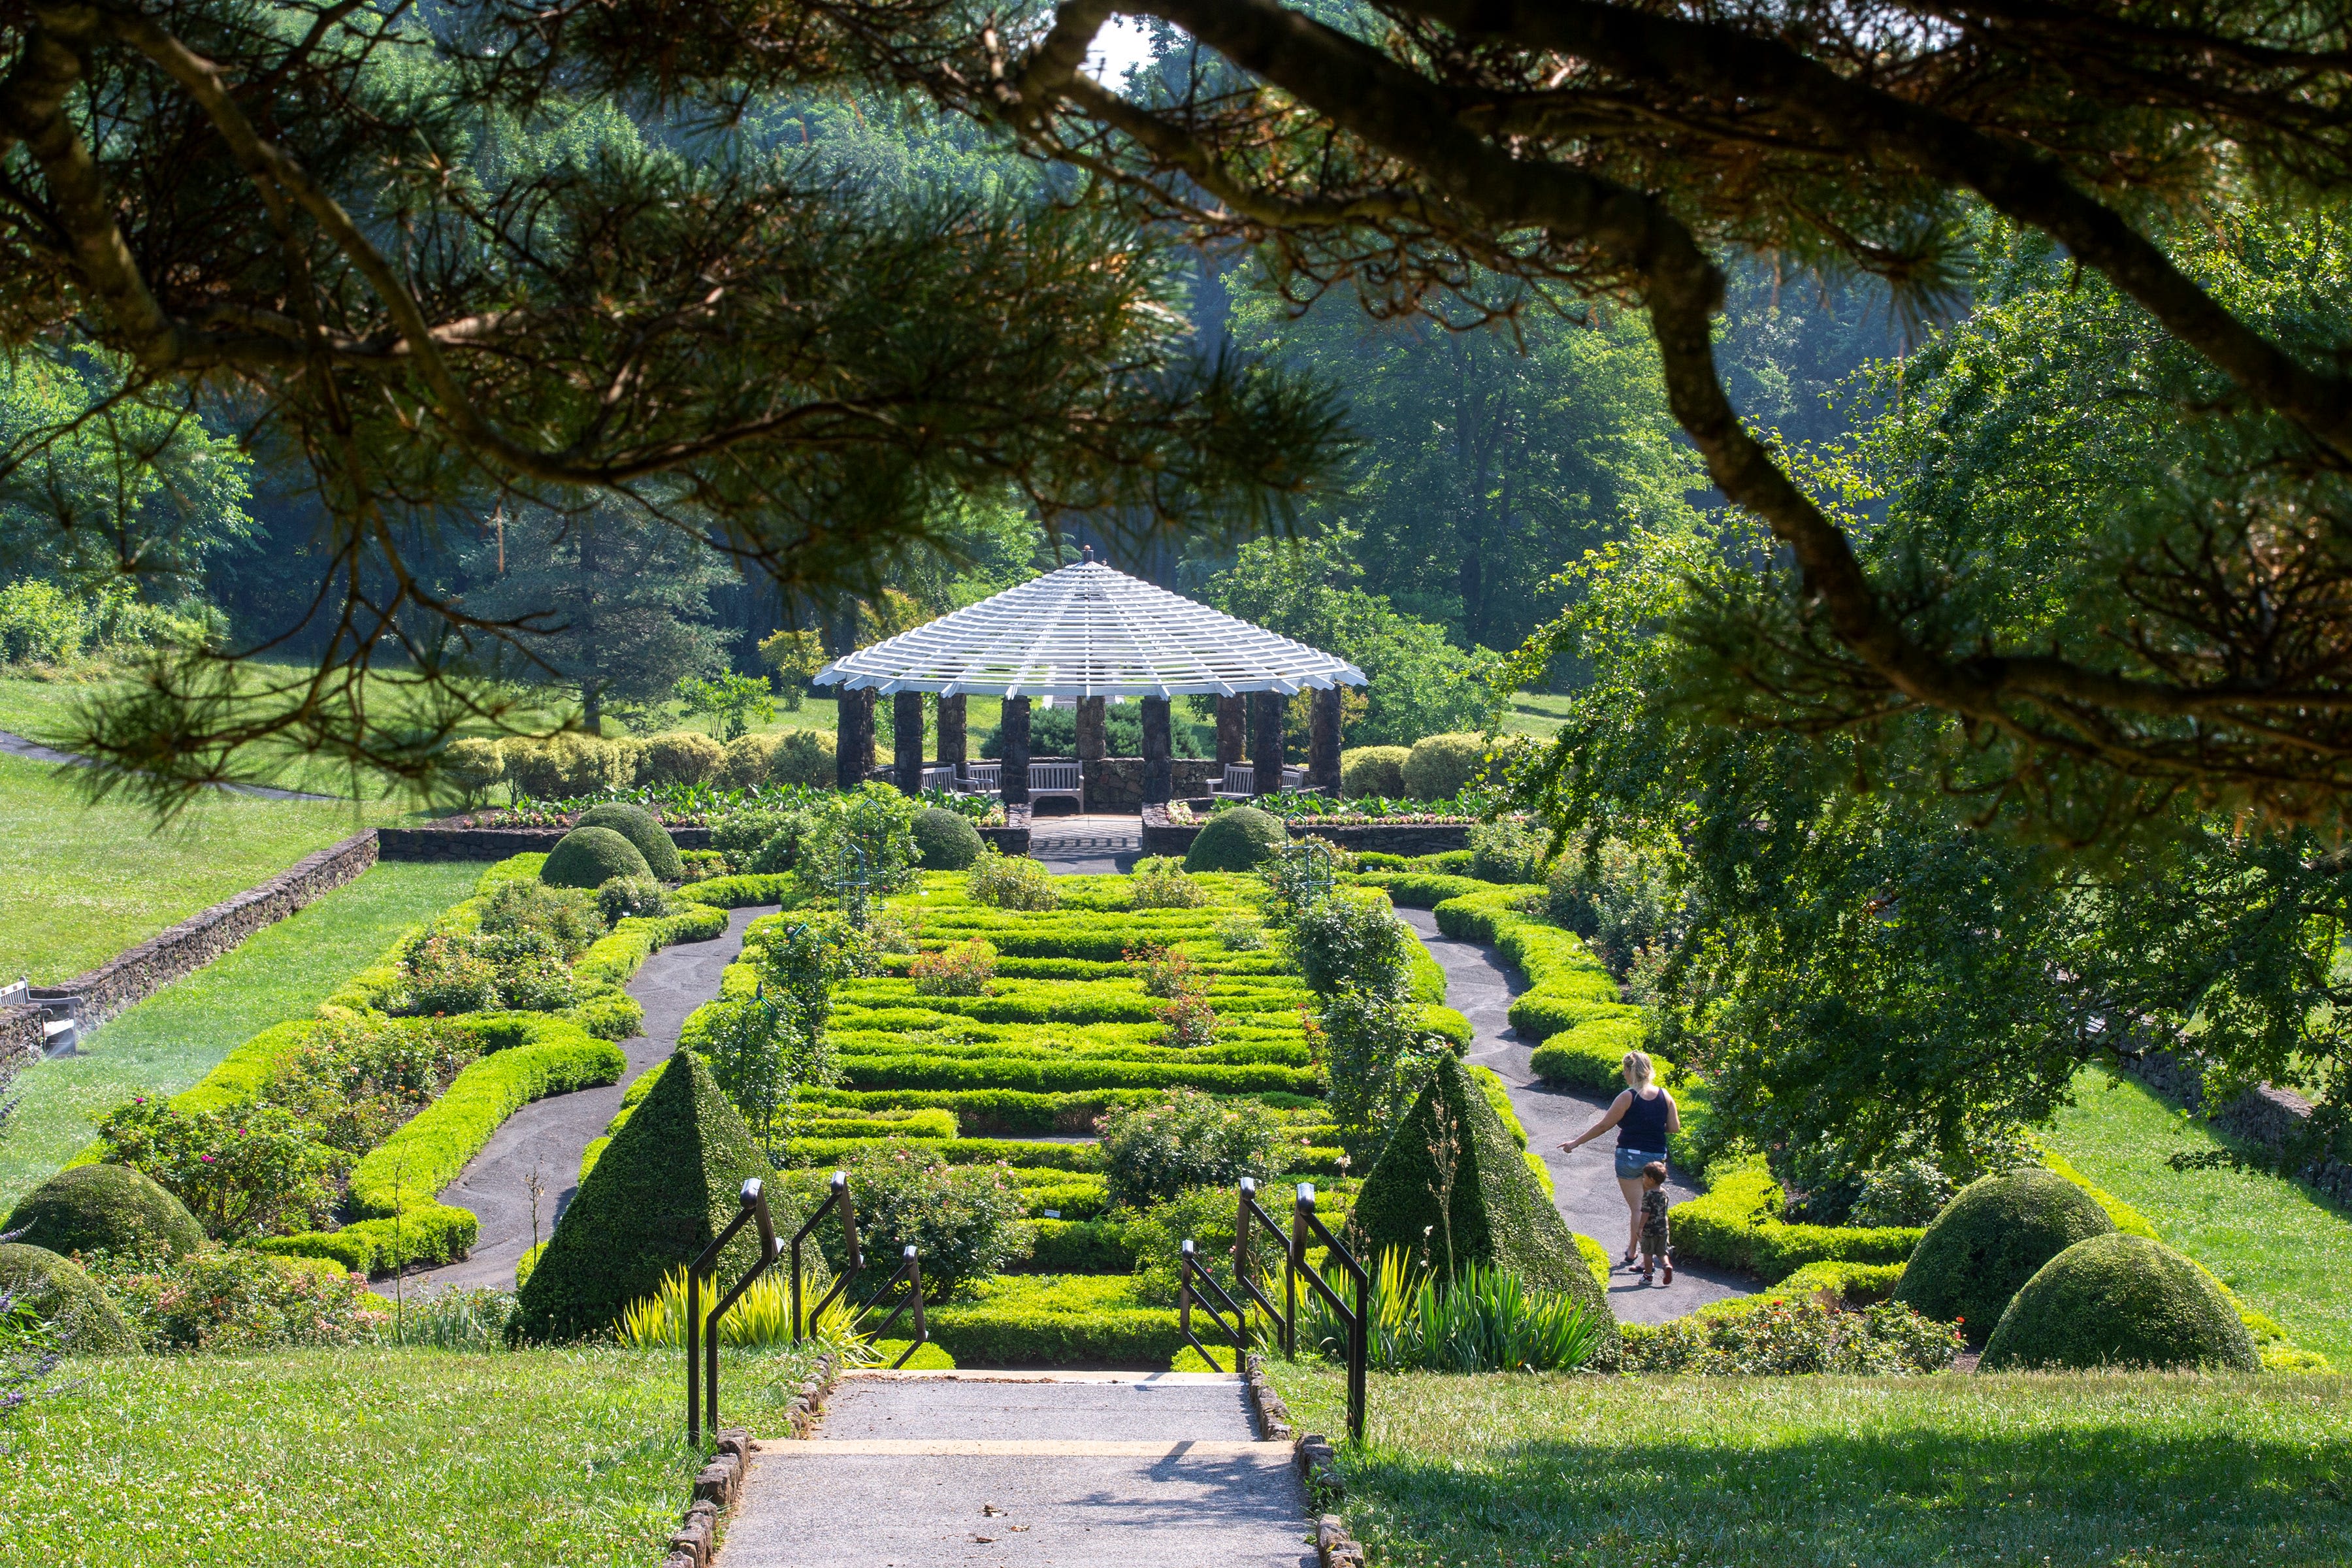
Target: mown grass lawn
point(377, 1458)
point(2276, 1243)
point(2141, 1471)
point(1536, 713)
point(175, 1036)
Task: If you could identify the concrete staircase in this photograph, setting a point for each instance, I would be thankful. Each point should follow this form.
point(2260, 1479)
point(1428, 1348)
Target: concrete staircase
point(1072, 1469)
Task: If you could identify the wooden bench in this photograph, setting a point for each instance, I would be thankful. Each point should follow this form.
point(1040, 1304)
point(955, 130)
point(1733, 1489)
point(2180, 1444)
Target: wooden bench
point(982, 778)
point(1057, 779)
point(1240, 781)
point(58, 1027)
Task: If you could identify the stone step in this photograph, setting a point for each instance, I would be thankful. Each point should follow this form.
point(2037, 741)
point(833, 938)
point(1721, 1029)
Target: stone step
point(1039, 1406)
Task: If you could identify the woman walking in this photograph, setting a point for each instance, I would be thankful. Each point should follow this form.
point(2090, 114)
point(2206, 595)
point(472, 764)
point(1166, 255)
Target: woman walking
point(1645, 1117)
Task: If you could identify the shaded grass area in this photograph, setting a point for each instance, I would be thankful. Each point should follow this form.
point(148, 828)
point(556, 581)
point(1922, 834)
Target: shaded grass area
point(1536, 713)
point(78, 883)
point(2276, 1243)
point(175, 1036)
point(2149, 1471)
point(371, 1457)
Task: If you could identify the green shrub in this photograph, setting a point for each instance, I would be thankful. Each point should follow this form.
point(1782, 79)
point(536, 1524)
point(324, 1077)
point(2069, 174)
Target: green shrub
point(2119, 1301)
point(682, 757)
point(590, 857)
point(1486, 1209)
point(104, 1208)
point(804, 757)
point(1235, 841)
point(1438, 766)
point(569, 917)
point(1024, 1321)
point(60, 1293)
point(630, 898)
point(1372, 770)
point(1736, 1223)
point(1158, 883)
point(449, 971)
point(243, 1171)
point(639, 825)
point(237, 1301)
point(1011, 882)
point(1191, 1140)
point(1990, 1240)
point(1793, 1335)
point(747, 759)
point(959, 969)
point(474, 766)
point(665, 1187)
point(963, 1221)
point(945, 840)
point(738, 892)
point(1618, 898)
point(1508, 851)
point(566, 766)
point(1080, 1246)
point(1570, 986)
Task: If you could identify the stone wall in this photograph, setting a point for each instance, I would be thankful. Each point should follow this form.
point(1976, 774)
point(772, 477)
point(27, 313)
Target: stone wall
point(442, 841)
point(1117, 784)
point(1161, 836)
point(2271, 1119)
point(132, 975)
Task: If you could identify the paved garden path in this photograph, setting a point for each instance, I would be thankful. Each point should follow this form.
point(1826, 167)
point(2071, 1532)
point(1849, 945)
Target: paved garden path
point(1090, 846)
point(550, 1134)
point(1481, 984)
point(31, 750)
point(1071, 1470)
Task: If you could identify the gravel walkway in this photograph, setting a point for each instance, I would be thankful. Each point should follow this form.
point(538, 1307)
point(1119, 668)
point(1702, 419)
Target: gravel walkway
point(550, 1134)
point(1481, 985)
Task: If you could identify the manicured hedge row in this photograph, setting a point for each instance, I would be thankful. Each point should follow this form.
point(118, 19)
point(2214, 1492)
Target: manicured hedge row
point(615, 957)
point(1048, 1076)
point(1422, 889)
point(1736, 1223)
point(915, 1124)
point(1080, 1246)
point(1570, 986)
point(823, 1151)
point(869, 1034)
point(1002, 1110)
point(745, 892)
point(1056, 1320)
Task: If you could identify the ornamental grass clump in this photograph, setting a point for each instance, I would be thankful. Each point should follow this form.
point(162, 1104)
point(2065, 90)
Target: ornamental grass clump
point(1480, 1318)
point(959, 969)
point(1011, 882)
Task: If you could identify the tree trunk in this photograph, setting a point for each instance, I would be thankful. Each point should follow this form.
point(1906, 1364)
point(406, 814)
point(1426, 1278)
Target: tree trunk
point(1323, 747)
point(854, 738)
point(591, 707)
point(1266, 715)
point(952, 744)
point(1232, 720)
point(1159, 753)
point(1015, 731)
point(907, 737)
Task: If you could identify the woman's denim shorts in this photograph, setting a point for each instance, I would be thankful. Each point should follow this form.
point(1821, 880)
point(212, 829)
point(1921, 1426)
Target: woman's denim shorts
point(1631, 1161)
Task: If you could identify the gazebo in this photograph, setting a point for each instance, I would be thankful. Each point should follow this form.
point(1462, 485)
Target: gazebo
point(1088, 634)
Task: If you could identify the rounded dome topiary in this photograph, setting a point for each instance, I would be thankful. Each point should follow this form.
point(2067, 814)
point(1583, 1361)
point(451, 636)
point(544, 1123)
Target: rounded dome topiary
point(109, 1208)
point(1439, 765)
point(1990, 1240)
point(642, 828)
point(1372, 770)
point(63, 1295)
point(683, 757)
point(1235, 841)
point(2119, 1301)
point(590, 857)
point(945, 839)
point(804, 757)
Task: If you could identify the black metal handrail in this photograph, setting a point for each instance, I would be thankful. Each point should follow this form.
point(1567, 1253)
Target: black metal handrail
point(910, 1269)
point(1194, 1282)
point(836, 1196)
point(1304, 1220)
point(1285, 1317)
point(702, 1337)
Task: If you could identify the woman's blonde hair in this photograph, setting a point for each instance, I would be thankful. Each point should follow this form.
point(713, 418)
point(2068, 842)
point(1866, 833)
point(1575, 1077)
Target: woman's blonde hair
point(1636, 1065)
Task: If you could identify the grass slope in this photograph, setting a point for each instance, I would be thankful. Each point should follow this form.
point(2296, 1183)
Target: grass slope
point(175, 1036)
point(2073, 1470)
point(380, 1458)
point(2285, 1251)
point(78, 883)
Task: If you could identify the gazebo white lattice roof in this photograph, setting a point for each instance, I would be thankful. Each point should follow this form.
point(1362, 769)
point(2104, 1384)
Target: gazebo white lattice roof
point(1088, 631)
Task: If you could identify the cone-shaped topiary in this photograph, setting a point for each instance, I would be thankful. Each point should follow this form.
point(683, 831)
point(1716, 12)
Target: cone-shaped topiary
point(667, 1182)
point(590, 857)
point(2119, 1301)
point(1235, 841)
point(110, 1208)
point(63, 1295)
point(1989, 1241)
point(946, 841)
point(639, 825)
point(1498, 1215)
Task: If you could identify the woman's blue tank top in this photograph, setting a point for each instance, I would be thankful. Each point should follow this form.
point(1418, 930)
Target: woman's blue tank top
point(1644, 1126)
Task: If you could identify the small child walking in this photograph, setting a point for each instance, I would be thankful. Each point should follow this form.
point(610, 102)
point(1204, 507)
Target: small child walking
point(1656, 1245)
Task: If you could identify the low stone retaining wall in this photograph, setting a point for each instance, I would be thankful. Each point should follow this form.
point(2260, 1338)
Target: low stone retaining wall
point(1161, 836)
point(130, 976)
point(2271, 1119)
point(445, 841)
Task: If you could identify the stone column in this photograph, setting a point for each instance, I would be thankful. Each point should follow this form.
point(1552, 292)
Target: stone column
point(1159, 753)
point(1014, 733)
point(1323, 744)
point(1231, 713)
point(951, 736)
point(854, 738)
point(1093, 746)
point(907, 741)
point(1266, 715)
